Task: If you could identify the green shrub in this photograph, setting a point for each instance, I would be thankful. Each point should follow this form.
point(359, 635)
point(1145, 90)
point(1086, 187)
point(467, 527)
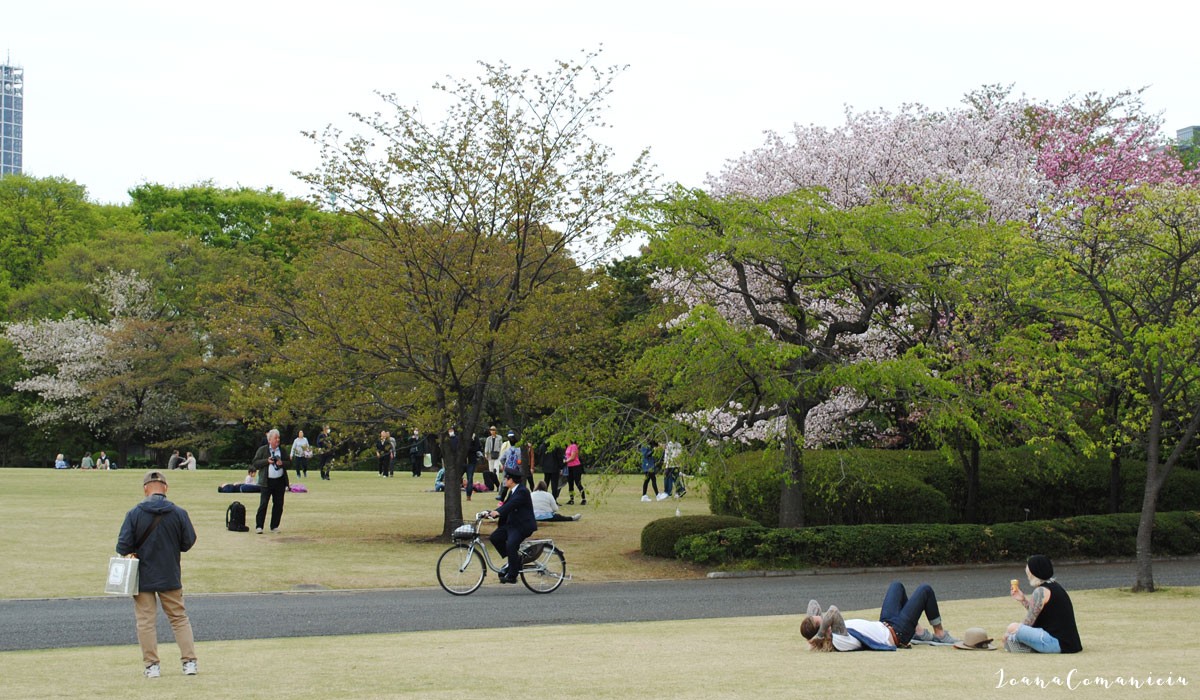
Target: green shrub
point(1176, 533)
point(659, 536)
point(850, 487)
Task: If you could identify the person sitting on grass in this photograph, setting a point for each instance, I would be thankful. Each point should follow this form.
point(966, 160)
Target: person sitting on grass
point(897, 626)
point(546, 508)
point(1049, 624)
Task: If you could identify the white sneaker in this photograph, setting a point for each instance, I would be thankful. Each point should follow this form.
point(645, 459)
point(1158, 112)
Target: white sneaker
point(189, 668)
point(274, 529)
point(577, 516)
point(662, 496)
point(258, 530)
point(152, 671)
point(645, 499)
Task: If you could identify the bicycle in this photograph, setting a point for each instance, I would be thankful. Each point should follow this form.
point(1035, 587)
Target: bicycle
point(462, 568)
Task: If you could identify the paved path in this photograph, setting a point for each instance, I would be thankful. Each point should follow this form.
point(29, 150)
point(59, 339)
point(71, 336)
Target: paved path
point(52, 623)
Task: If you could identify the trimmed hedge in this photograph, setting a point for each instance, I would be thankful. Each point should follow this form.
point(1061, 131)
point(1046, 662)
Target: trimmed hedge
point(659, 536)
point(860, 486)
point(1176, 533)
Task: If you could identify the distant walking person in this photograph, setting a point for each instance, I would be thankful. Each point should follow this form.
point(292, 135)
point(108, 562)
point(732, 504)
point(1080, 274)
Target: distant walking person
point(300, 453)
point(672, 465)
point(273, 479)
point(157, 532)
point(416, 452)
point(325, 448)
point(492, 445)
point(574, 474)
point(385, 452)
point(650, 470)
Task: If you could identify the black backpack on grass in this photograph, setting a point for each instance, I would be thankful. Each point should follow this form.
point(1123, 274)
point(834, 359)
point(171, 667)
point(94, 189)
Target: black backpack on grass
point(235, 517)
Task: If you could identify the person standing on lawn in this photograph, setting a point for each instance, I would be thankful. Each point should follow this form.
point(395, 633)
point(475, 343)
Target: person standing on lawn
point(157, 532)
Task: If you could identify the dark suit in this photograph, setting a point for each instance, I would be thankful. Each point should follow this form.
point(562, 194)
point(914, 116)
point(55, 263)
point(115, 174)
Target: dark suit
point(272, 489)
point(516, 523)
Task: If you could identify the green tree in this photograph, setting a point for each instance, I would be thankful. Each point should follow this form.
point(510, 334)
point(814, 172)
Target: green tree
point(113, 338)
point(264, 221)
point(793, 298)
point(1126, 282)
point(37, 217)
point(459, 272)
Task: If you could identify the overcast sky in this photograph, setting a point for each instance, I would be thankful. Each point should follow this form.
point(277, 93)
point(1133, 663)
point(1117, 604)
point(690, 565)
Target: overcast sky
point(123, 92)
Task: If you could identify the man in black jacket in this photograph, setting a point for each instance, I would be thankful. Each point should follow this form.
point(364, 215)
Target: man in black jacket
point(157, 532)
point(273, 481)
point(516, 523)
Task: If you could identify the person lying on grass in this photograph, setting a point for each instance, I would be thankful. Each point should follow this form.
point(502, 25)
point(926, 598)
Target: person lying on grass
point(897, 626)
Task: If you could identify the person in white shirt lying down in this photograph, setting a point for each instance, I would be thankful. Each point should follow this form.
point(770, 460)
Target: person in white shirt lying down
point(898, 624)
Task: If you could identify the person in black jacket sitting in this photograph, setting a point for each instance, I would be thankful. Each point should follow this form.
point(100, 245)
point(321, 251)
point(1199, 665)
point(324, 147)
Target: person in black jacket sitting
point(516, 523)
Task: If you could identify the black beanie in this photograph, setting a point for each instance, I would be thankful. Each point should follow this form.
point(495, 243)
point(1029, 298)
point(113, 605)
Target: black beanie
point(1040, 566)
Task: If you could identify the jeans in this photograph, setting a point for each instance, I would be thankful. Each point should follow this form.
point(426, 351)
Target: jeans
point(145, 613)
point(903, 613)
point(1037, 639)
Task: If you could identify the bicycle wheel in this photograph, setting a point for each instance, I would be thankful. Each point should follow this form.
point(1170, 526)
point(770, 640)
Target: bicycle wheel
point(551, 571)
point(460, 570)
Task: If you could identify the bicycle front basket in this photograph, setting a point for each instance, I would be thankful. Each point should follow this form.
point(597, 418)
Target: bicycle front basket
point(465, 531)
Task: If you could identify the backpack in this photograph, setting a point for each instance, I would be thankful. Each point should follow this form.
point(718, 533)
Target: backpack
point(235, 517)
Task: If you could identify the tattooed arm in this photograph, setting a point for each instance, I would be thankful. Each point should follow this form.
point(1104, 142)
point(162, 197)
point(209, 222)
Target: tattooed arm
point(832, 621)
point(1034, 605)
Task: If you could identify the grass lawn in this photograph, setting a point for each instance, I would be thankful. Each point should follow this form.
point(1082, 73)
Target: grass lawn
point(355, 531)
point(1125, 637)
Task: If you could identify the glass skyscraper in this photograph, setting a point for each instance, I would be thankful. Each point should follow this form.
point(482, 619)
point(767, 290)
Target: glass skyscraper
point(12, 107)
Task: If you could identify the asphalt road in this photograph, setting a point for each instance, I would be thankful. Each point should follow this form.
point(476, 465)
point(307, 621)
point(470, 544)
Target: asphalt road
point(101, 621)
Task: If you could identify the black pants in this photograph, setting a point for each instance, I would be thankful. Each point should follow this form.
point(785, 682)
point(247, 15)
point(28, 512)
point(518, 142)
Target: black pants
point(575, 480)
point(325, 459)
point(417, 460)
point(385, 466)
point(301, 465)
point(273, 491)
point(650, 480)
point(507, 541)
point(551, 479)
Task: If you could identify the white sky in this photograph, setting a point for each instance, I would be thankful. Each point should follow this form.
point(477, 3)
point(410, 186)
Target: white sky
point(128, 91)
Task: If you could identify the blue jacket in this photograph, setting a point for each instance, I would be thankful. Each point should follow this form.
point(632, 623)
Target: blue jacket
point(647, 459)
point(158, 568)
point(517, 511)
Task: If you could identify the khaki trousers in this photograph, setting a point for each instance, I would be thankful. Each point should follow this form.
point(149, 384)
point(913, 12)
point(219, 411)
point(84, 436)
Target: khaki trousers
point(145, 612)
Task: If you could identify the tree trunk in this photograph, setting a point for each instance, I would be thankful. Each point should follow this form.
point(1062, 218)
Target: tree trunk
point(1114, 470)
point(791, 499)
point(1114, 482)
point(970, 465)
point(1145, 533)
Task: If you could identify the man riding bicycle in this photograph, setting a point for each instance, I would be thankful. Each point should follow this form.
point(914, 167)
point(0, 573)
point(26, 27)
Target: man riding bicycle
point(516, 523)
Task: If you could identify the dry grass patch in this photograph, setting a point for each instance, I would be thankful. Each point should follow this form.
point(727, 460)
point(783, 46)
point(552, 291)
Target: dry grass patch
point(1124, 637)
point(356, 531)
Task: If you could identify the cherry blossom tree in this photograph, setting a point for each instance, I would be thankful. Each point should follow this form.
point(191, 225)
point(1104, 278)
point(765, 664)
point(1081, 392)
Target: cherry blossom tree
point(788, 292)
point(81, 367)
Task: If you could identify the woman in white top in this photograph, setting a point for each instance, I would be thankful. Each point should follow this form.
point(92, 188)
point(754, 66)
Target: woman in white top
point(546, 508)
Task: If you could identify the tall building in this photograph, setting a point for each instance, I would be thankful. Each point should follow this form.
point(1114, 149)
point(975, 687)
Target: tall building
point(12, 107)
